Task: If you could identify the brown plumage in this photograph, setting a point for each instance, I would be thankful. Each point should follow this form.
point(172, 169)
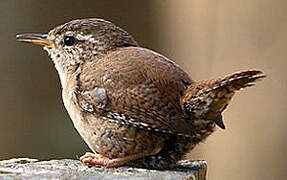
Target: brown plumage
point(133, 106)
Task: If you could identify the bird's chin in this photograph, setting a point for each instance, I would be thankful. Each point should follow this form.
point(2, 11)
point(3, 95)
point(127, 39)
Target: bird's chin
point(56, 58)
point(53, 53)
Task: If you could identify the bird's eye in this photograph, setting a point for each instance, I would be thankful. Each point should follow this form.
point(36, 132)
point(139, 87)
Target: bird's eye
point(70, 40)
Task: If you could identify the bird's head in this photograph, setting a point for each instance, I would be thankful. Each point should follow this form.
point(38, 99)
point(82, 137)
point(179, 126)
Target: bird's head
point(73, 43)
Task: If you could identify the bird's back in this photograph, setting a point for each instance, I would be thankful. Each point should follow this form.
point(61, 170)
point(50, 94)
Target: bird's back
point(141, 85)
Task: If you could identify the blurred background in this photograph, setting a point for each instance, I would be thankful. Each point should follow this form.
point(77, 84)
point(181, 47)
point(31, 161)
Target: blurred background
point(207, 38)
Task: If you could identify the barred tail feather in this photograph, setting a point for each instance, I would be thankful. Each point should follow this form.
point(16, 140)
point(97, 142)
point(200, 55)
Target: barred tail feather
point(207, 99)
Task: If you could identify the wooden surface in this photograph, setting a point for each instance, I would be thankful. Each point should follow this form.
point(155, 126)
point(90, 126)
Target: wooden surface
point(25, 168)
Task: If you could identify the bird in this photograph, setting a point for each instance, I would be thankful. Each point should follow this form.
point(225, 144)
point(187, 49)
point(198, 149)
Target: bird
point(131, 105)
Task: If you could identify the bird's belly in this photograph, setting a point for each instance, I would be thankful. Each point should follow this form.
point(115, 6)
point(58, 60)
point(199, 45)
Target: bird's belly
point(116, 140)
point(112, 139)
point(76, 116)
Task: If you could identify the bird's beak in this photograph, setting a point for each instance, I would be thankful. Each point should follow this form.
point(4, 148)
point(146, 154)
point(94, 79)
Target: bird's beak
point(39, 39)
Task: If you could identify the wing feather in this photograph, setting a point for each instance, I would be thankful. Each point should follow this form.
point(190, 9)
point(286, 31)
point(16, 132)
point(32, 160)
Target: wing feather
point(138, 87)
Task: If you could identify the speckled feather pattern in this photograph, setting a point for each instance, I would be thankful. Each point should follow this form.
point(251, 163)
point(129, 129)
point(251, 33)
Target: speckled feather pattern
point(132, 92)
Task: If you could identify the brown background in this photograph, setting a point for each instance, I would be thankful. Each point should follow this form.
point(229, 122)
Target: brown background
point(208, 38)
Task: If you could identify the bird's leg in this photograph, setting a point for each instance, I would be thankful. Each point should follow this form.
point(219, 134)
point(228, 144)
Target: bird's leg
point(93, 159)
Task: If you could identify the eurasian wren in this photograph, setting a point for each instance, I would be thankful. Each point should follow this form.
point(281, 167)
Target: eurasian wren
point(131, 105)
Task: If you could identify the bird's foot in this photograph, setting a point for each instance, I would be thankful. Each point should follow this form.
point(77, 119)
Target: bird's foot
point(93, 159)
